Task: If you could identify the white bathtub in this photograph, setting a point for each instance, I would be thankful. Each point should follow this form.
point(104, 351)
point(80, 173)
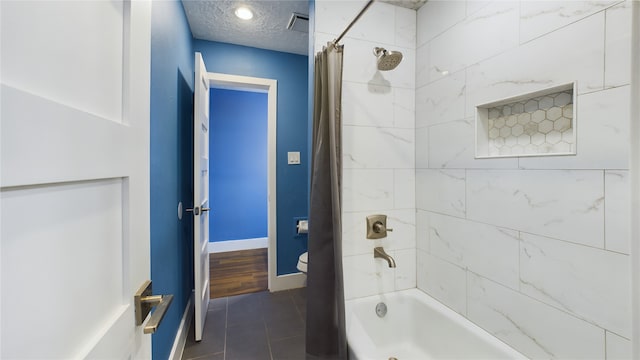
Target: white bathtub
point(417, 327)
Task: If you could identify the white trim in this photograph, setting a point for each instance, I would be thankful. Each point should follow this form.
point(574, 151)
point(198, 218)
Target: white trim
point(181, 336)
point(635, 180)
point(236, 245)
point(248, 83)
point(289, 281)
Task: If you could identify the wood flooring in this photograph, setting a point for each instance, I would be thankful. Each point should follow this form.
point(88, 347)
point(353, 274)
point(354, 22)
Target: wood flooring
point(238, 272)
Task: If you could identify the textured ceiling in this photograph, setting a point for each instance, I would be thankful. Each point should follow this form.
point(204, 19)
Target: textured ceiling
point(215, 20)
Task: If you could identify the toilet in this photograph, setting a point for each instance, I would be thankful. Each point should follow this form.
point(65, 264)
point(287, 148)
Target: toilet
point(303, 262)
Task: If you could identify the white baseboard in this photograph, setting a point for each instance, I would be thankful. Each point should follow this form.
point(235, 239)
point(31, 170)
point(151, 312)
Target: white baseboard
point(236, 245)
point(289, 281)
point(183, 330)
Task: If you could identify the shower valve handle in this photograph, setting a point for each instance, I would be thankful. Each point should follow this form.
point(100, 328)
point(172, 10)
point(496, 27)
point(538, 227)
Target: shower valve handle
point(378, 227)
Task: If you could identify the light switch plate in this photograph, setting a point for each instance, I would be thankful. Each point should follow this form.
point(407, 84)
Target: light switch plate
point(293, 157)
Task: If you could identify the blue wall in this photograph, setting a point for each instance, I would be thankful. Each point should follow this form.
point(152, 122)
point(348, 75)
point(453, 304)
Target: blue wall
point(171, 164)
point(290, 71)
point(238, 164)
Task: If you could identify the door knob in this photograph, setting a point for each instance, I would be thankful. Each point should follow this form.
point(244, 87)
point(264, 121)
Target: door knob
point(195, 210)
point(144, 301)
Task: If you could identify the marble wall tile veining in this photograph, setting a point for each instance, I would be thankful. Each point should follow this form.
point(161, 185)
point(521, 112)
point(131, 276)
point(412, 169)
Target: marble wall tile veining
point(474, 6)
point(369, 27)
point(467, 43)
point(617, 208)
point(367, 105)
point(422, 65)
point(405, 221)
point(441, 191)
point(568, 303)
point(405, 31)
point(422, 148)
point(377, 105)
point(333, 16)
point(484, 249)
point(366, 276)
point(404, 188)
point(513, 73)
point(404, 108)
point(442, 280)
point(422, 229)
point(537, 330)
point(618, 347)
point(405, 268)
point(452, 145)
point(617, 70)
point(563, 204)
point(421, 105)
point(443, 100)
point(369, 147)
point(540, 17)
point(367, 189)
point(603, 139)
point(590, 283)
point(437, 16)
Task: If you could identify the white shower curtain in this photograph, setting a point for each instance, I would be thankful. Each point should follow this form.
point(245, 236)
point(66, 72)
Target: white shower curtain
point(325, 333)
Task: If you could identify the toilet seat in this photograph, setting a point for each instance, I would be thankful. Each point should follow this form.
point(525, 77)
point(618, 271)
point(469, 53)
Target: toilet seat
point(303, 260)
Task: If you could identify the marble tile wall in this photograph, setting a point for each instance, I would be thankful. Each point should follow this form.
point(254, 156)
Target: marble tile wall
point(378, 141)
point(533, 249)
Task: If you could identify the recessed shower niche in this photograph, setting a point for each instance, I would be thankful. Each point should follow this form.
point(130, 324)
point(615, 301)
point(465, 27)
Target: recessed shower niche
point(540, 123)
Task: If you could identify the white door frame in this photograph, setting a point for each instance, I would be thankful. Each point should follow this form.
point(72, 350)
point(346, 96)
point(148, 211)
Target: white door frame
point(269, 86)
point(634, 167)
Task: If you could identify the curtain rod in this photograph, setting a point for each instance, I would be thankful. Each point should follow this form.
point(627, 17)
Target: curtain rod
point(369, 3)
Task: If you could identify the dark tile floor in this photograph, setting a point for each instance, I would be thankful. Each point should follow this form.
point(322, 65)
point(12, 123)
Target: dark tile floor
point(264, 325)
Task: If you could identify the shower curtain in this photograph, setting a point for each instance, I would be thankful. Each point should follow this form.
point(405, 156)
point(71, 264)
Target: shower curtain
point(325, 329)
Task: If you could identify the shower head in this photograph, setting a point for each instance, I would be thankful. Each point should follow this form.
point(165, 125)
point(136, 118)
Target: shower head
point(387, 60)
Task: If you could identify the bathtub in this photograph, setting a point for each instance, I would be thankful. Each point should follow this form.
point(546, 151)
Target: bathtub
point(417, 327)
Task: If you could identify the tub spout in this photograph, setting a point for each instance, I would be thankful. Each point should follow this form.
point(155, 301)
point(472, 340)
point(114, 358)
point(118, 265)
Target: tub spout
point(380, 253)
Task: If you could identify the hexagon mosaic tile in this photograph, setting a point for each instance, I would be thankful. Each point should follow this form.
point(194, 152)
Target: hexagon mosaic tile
point(540, 125)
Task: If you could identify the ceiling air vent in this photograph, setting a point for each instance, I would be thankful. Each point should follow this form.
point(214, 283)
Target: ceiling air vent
point(299, 22)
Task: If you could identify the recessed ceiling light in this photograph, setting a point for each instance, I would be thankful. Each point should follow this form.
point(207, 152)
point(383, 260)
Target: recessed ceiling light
point(244, 13)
